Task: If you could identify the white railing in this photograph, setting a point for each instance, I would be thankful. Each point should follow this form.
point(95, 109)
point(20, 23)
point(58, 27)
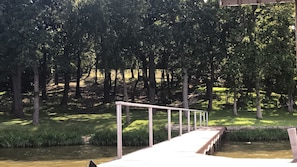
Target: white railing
point(203, 121)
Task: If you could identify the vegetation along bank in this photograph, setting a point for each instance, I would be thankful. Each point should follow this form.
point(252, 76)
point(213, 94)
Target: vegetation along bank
point(64, 63)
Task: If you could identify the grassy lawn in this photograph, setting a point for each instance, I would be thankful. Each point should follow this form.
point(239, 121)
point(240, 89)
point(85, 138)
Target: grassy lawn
point(70, 126)
point(88, 115)
point(103, 117)
point(90, 123)
point(270, 118)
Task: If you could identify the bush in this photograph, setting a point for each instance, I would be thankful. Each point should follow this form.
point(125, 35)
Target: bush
point(130, 138)
point(271, 134)
point(17, 139)
point(104, 138)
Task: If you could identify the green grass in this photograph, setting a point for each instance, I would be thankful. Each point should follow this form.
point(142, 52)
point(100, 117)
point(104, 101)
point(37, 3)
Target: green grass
point(270, 118)
point(85, 118)
point(81, 123)
point(65, 128)
point(90, 123)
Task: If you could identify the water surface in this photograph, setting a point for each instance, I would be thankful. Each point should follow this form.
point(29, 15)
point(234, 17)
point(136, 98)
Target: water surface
point(279, 149)
point(69, 156)
point(79, 156)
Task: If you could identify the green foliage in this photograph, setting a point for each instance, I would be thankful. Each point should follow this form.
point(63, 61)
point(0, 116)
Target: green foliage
point(130, 138)
point(236, 44)
point(16, 139)
point(257, 134)
point(59, 129)
point(104, 138)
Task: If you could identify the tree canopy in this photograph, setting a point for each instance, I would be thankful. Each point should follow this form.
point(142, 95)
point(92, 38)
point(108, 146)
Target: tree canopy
point(195, 43)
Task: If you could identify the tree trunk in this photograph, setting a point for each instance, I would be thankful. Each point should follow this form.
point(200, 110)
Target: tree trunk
point(107, 86)
point(89, 71)
point(126, 97)
point(235, 102)
point(161, 94)
point(96, 69)
point(144, 74)
point(132, 72)
point(56, 78)
point(17, 93)
point(185, 90)
point(134, 89)
point(209, 88)
point(66, 89)
point(162, 77)
point(168, 85)
point(115, 82)
point(152, 79)
point(44, 76)
point(78, 76)
point(290, 101)
point(258, 100)
point(36, 96)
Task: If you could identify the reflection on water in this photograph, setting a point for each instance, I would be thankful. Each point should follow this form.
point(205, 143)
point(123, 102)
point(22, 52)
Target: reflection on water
point(69, 156)
point(279, 149)
point(79, 156)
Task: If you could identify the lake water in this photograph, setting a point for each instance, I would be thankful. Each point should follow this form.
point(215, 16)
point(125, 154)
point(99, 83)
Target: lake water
point(279, 149)
point(69, 156)
point(79, 156)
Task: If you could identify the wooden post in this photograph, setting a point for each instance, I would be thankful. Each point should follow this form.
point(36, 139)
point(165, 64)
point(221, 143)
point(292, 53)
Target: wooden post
point(151, 138)
point(169, 124)
point(180, 122)
point(119, 132)
point(293, 142)
point(189, 120)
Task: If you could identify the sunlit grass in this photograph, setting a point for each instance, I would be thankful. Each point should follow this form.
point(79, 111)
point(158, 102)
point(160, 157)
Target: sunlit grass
point(17, 122)
point(88, 123)
point(220, 89)
point(87, 120)
point(82, 123)
point(245, 118)
point(137, 125)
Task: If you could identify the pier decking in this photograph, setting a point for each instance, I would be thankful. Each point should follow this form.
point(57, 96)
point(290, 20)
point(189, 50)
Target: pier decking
point(187, 150)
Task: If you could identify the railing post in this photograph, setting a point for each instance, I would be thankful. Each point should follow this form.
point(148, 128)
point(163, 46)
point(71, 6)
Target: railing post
point(169, 123)
point(293, 142)
point(195, 120)
point(151, 140)
point(119, 105)
point(189, 120)
point(119, 132)
point(180, 122)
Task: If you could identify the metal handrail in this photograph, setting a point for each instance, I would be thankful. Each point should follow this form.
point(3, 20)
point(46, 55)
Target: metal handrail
point(203, 121)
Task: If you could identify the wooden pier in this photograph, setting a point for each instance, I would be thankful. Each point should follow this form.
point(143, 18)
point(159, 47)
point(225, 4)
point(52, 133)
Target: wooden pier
point(189, 150)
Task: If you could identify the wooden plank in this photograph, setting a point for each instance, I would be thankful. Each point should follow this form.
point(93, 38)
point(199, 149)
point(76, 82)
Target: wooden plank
point(181, 152)
point(204, 148)
point(181, 147)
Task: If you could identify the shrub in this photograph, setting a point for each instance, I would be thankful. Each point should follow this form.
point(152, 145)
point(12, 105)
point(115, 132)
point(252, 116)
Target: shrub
point(17, 139)
point(130, 138)
point(269, 134)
